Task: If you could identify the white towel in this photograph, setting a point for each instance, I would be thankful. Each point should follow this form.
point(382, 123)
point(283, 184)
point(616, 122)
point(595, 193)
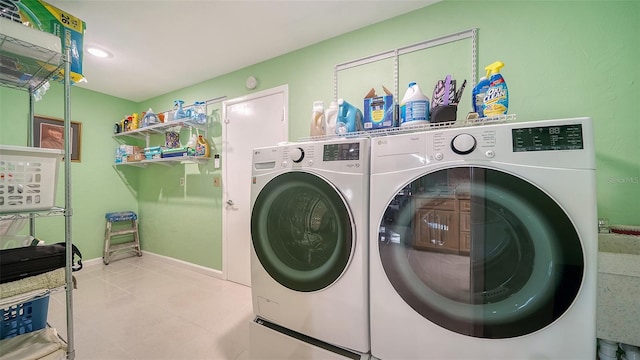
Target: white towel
point(39, 344)
point(49, 280)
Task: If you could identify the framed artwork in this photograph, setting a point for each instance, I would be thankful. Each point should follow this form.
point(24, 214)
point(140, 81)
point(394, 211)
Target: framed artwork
point(48, 133)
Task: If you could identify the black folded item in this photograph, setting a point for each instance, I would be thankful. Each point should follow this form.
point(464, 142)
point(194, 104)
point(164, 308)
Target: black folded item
point(444, 113)
point(19, 263)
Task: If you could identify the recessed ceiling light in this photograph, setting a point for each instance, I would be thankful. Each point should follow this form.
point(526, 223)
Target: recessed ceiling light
point(98, 52)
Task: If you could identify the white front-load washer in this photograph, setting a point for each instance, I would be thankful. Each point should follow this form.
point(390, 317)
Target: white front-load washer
point(309, 228)
point(483, 242)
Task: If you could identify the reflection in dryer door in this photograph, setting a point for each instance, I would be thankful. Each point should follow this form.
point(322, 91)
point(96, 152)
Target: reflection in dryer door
point(481, 252)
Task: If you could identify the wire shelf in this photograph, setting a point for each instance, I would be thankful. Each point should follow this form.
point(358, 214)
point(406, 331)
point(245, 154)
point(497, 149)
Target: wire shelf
point(54, 211)
point(415, 128)
point(26, 66)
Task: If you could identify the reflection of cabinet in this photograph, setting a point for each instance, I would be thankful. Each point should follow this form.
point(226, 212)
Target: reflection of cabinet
point(464, 207)
point(442, 224)
point(436, 224)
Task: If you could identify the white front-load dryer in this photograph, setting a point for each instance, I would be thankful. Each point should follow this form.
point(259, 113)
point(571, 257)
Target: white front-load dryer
point(483, 242)
point(309, 228)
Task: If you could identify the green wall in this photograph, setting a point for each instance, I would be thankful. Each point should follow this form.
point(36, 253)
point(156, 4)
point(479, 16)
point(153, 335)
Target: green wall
point(563, 59)
point(96, 187)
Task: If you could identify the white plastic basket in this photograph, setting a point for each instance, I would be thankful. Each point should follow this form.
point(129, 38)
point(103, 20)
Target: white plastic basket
point(28, 178)
point(14, 241)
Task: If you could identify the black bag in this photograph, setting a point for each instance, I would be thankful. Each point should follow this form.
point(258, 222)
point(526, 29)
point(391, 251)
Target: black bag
point(19, 263)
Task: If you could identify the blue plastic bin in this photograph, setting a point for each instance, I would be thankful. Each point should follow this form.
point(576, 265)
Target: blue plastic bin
point(23, 318)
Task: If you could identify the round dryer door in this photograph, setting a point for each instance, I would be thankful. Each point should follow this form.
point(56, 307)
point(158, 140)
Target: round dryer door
point(481, 252)
point(301, 231)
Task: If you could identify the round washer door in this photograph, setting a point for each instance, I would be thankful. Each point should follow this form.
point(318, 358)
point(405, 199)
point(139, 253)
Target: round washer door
point(481, 252)
point(301, 231)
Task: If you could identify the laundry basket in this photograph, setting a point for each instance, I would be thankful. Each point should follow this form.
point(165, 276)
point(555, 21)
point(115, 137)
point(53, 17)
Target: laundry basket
point(28, 178)
point(25, 317)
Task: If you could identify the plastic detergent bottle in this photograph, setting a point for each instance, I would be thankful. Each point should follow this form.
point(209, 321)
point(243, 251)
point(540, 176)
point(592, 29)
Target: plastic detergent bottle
point(317, 119)
point(349, 118)
point(414, 107)
point(135, 121)
point(478, 93)
point(331, 119)
point(200, 112)
point(496, 101)
point(193, 141)
point(149, 118)
point(202, 147)
point(179, 113)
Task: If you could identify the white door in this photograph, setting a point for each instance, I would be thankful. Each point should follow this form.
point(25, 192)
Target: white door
point(251, 121)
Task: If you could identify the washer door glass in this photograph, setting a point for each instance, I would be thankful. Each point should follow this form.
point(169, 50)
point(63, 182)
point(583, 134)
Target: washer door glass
point(301, 231)
point(481, 252)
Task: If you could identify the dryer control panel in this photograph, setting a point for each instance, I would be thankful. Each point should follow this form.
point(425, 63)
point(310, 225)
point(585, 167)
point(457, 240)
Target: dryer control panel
point(558, 142)
point(480, 142)
point(544, 138)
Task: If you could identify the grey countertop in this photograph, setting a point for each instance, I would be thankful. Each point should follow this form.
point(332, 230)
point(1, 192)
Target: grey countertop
point(617, 243)
point(618, 299)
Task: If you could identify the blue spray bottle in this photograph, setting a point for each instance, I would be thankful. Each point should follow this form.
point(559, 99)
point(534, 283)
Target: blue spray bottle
point(478, 93)
point(496, 101)
point(178, 113)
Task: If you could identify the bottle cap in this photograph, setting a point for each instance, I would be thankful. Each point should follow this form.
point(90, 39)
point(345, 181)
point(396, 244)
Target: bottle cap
point(494, 68)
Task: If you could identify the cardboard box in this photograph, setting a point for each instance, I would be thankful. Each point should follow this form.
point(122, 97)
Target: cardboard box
point(154, 152)
point(48, 18)
point(129, 149)
point(378, 110)
point(136, 157)
point(178, 152)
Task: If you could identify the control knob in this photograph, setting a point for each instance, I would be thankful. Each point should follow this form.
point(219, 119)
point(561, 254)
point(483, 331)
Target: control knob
point(296, 154)
point(463, 144)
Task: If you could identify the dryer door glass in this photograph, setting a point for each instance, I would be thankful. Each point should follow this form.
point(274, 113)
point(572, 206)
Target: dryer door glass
point(481, 252)
point(301, 231)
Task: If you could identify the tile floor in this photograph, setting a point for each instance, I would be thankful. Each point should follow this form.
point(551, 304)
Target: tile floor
point(144, 308)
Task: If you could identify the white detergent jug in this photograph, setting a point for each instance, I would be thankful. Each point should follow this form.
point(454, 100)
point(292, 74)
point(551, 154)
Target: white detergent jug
point(317, 119)
point(414, 107)
point(331, 118)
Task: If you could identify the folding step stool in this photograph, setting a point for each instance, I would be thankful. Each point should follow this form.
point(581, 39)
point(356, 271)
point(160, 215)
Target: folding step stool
point(111, 231)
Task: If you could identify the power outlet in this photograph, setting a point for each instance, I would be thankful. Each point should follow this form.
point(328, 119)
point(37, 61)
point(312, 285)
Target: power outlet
point(181, 181)
point(217, 181)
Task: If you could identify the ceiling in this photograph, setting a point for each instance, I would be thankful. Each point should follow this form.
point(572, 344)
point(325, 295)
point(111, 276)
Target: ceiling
point(160, 46)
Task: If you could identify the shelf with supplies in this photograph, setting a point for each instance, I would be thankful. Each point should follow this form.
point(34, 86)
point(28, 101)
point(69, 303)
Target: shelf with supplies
point(159, 129)
point(165, 161)
point(170, 134)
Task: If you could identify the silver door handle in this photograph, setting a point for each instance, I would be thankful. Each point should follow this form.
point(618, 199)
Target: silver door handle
point(230, 202)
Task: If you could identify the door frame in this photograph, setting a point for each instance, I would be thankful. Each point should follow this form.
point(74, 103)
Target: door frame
point(284, 89)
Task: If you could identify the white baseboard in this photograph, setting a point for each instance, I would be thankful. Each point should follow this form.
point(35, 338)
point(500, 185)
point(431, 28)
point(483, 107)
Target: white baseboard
point(189, 266)
point(92, 262)
point(175, 262)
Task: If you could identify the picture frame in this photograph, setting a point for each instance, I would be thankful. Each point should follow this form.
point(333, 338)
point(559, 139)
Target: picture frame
point(48, 132)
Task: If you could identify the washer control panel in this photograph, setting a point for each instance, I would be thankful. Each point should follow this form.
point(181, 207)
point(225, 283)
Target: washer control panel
point(341, 151)
point(346, 155)
point(296, 154)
